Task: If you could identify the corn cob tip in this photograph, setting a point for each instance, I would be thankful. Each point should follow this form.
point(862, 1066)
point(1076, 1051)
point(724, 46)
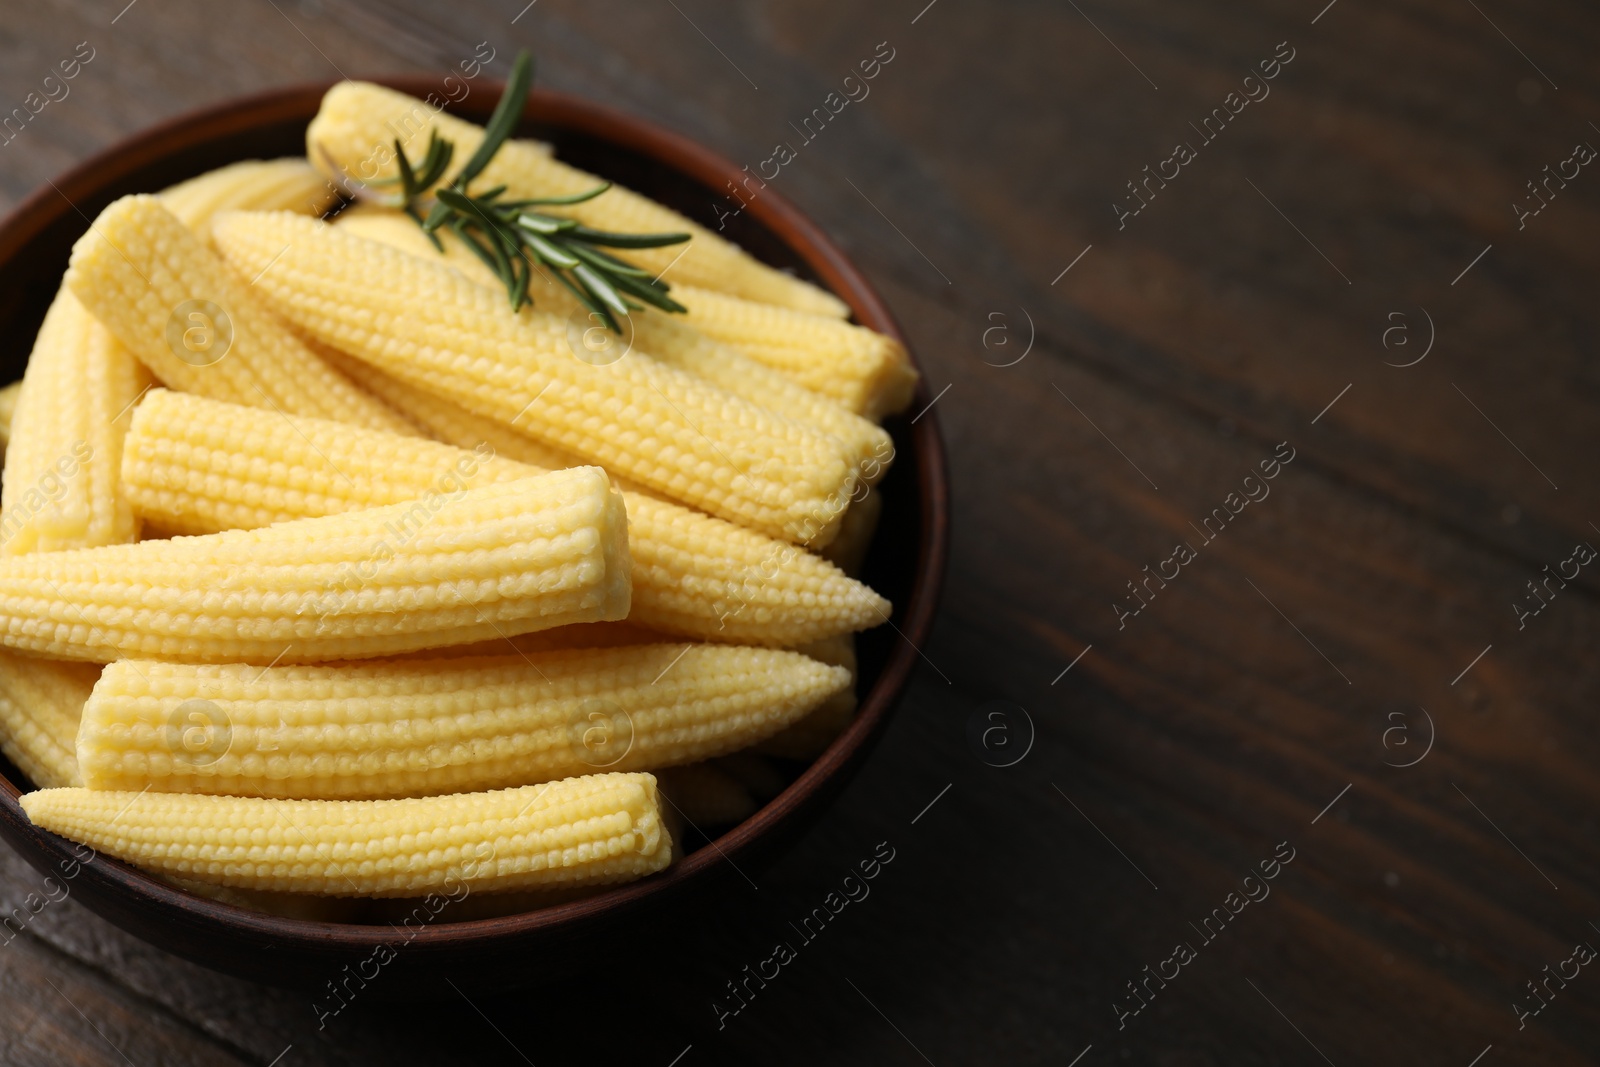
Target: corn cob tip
point(95, 239)
point(871, 608)
point(199, 326)
point(288, 184)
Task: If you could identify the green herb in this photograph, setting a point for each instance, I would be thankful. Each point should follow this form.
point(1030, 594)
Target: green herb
point(514, 238)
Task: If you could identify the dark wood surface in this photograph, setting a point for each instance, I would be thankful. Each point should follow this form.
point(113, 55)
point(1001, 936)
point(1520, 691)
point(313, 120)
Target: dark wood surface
point(1286, 662)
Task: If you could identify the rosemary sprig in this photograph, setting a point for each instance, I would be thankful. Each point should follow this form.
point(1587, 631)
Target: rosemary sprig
point(512, 237)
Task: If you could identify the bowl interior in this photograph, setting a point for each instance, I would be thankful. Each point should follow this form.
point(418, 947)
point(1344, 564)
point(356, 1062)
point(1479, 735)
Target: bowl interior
point(905, 562)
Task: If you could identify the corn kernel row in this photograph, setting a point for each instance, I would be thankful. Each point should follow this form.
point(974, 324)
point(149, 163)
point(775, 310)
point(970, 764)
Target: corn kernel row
point(65, 445)
point(453, 567)
point(418, 727)
point(592, 830)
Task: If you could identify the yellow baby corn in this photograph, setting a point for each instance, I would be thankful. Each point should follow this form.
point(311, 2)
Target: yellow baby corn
point(289, 184)
point(421, 321)
point(65, 445)
point(40, 702)
point(677, 345)
point(704, 795)
point(8, 407)
point(418, 727)
point(596, 829)
point(198, 327)
point(352, 139)
point(84, 379)
point(562, 638)
point(656, 334)
point(848, 551)
point(197, 465)
point(806, 739)
point(455, 566)
point(288, 905)
point(445, 420)
point(865, 371)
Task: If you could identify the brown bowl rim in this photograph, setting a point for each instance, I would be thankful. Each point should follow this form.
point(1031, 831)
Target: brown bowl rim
point(787, 223)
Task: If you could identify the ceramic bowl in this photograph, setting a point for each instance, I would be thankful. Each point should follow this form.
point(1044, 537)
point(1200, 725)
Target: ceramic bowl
point(906, 562)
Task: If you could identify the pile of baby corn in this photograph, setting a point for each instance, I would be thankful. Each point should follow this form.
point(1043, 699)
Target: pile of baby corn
point(325, 576)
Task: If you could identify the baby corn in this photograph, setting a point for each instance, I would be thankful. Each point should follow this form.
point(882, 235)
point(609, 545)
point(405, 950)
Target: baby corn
point(848, 551)
point(457, 565)
point(445, 420)
point(418, 727)
point(199, 328)
point(8, 408)
point(656, 334)
point(862, 369)
point(592, 830)
point(421, 321)
point(198, 466)
point(562, 638)
point(352, 137)
point(253, 185)
point(705, 795)
point(40, 703)
point(65, 442)
point(84, 381)
point(806, 739)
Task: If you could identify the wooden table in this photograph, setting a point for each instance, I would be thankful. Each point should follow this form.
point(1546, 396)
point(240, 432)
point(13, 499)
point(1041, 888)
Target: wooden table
point(1336, 670)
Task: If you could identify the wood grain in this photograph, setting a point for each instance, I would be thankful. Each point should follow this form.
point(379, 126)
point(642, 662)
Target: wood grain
point(1181, 749)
